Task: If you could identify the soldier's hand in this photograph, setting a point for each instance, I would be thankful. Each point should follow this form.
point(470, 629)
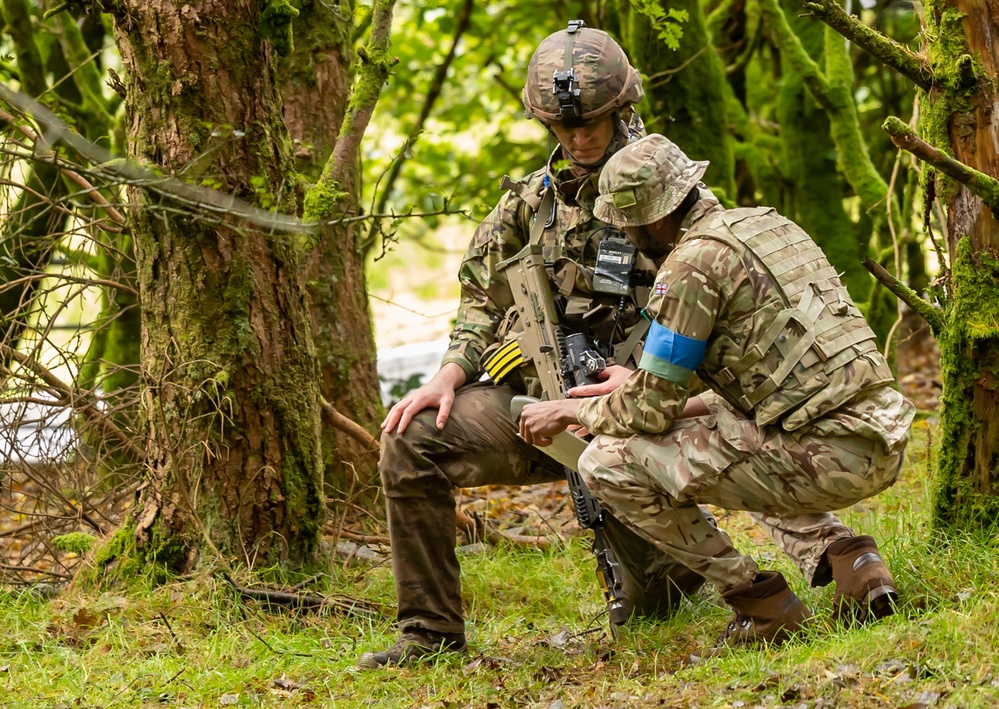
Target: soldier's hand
point(612, 377)
point(438, 393)
point(540, 421)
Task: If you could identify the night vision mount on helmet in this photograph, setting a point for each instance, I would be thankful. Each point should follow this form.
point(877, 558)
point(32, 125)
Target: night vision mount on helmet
point(578, 75)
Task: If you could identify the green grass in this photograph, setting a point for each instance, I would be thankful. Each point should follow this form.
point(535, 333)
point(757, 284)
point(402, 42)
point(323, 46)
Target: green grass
point(193, 644)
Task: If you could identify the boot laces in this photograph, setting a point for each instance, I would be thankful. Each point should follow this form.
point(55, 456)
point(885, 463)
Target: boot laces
point(740, 622)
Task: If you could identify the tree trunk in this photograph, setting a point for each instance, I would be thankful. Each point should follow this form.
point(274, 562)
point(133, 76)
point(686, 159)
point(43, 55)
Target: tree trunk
point(960, 112)
point(229, 376)
point(684, 96)
point(315, 91)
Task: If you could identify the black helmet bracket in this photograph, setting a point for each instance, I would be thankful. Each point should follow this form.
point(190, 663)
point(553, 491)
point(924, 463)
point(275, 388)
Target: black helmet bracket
point(565, 83)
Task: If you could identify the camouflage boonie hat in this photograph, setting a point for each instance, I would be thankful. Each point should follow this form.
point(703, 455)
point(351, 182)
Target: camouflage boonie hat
point(645, 181)
point(582, 69)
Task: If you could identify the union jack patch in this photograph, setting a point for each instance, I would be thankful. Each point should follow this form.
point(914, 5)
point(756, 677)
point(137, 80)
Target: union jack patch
point(661, 289)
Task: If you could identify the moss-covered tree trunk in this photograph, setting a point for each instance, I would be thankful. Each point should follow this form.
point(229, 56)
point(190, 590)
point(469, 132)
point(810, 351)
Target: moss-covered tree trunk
point(229, 376)
point(315, 88)
point(685, 100)
point(808, 158)
point(960, 112)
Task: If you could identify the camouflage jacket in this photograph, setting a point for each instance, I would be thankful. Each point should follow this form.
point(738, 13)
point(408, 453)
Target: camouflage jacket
point(714, 300)
point(570, 247)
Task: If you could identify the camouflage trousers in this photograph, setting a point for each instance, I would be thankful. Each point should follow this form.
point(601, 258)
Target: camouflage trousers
point(790, 482)
point(479, 446)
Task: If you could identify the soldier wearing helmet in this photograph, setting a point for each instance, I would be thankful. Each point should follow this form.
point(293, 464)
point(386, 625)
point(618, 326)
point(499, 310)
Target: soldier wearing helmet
point(800, 415)
point(456, 430)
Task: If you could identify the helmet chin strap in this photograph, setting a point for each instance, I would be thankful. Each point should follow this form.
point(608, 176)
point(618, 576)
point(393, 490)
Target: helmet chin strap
point(621, 137)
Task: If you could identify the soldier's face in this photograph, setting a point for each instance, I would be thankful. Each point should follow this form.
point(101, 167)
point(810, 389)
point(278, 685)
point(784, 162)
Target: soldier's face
point(586, 143)
point(655, 240)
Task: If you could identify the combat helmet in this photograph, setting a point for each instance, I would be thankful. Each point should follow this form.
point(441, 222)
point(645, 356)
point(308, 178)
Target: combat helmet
point(577, 75)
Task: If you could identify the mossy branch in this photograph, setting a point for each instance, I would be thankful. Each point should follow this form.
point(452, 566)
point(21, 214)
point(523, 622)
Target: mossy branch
point(86, 75)
point(832, 90)
point(794, 52)
point(276, 25)
point(854, 156)
point(892, 54)
point(375, 65)
point(979, 183)
point(928, 312)
point(717, 17)
point(30, 67)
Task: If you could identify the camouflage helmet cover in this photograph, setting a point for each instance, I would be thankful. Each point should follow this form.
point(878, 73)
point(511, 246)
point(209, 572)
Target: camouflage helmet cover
point(645, 181)
point(602, 78)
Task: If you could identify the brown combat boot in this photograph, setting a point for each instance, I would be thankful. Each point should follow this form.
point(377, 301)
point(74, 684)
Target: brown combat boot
point(766, 611)
point(865, 589)
point(414, 645)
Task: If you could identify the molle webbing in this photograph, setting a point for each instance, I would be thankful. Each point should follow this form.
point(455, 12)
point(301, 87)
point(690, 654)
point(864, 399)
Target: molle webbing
point(805, 336)
point(541, 201)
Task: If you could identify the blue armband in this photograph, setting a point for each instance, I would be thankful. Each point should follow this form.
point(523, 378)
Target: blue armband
point(672, 356)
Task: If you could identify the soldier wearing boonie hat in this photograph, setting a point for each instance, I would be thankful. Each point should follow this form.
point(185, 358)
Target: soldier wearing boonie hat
point(648, 180)
point(799, 417)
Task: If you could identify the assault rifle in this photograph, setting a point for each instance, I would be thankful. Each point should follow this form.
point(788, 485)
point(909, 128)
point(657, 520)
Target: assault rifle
point(562, 362)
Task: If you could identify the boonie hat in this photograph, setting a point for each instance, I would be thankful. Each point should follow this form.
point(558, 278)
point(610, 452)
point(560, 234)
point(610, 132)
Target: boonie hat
point(644, 181)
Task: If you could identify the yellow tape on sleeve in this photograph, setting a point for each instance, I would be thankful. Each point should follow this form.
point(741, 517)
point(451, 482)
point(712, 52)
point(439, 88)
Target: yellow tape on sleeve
point(504, 361)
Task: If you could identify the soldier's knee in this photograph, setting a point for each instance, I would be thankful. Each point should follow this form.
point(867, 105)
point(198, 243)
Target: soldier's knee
point(405, 464)
point(595, 468)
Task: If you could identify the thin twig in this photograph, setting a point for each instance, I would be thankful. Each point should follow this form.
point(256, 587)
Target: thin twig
point(77, 399)
point(308, 603)
point(474, 526)
point(276, 651)
point(32, 570)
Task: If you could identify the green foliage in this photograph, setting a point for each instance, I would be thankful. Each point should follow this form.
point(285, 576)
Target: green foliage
point(667, 23)
point(475, 132)
point(75, 542)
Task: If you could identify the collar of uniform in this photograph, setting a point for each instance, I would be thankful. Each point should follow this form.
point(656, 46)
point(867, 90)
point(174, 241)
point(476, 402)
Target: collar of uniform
point(573, 190)
point(706, 204)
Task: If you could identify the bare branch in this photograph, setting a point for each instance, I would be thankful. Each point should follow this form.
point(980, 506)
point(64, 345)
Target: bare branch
point(979, 183)
point(79, 400)
point(342, 606)
point(892, 54)
point(349, 427)
point(147, 176)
